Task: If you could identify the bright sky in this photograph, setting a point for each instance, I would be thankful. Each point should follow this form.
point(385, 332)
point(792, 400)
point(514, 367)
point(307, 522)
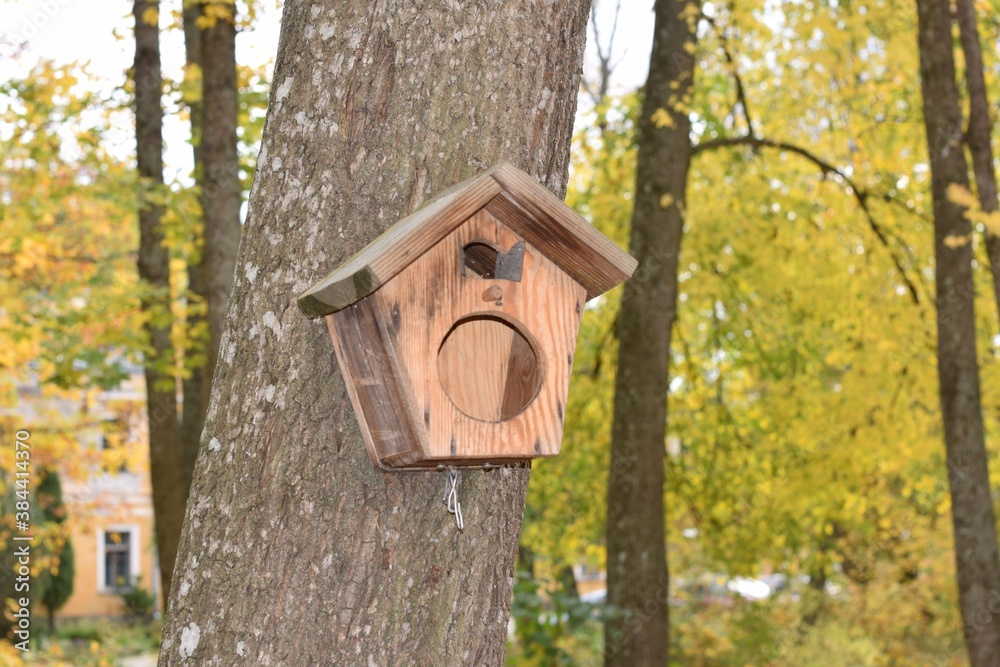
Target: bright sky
point(99, 32)
point(632, 43)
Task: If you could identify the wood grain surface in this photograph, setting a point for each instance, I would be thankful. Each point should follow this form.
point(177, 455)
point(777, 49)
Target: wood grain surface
point(492, 388)
point(511, 195)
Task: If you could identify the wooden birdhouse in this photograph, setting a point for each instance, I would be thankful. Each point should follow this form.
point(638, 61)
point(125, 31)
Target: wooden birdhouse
point(455, 329)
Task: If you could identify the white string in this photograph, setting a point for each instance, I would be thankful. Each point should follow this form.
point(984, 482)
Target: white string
point(451, 496)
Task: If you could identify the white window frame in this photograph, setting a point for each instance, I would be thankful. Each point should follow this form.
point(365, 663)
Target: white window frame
point(133, 554)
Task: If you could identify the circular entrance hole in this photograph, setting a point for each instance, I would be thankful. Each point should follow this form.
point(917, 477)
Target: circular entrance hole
point(489, 368)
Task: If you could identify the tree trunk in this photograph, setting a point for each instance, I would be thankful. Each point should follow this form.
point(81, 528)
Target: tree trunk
point(154, 270)
point(220, 185)
point(214, 117)
point(296, 550)
point(976, 558)
point(978, 136)
point(636, 543)
point(196, 384)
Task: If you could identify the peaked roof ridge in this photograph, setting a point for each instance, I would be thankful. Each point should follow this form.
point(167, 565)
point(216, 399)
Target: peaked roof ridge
point(525, 206)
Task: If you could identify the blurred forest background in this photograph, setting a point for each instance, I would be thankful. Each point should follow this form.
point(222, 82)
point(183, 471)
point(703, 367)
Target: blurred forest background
point(807, 508)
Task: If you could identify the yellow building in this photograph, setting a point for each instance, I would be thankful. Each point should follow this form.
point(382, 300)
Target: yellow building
point(112, 528)
point(106, 490)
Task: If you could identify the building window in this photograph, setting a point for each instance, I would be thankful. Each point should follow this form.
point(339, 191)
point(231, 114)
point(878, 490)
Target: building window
point(117, 547)
point(113, 446)
point(118, 558)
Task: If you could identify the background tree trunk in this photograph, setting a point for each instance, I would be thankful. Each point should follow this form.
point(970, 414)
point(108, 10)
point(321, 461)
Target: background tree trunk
point(636, 542)
point(196, 384)
point(976, 558)
point(978, 136)
point(296, 550)
point(220, 183)
point(154, 270)
point(214, 118)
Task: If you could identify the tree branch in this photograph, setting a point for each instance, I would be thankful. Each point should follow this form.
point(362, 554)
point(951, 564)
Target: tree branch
point(860, 195)
point(75, 259)
point(741, 96)
point(599, 90)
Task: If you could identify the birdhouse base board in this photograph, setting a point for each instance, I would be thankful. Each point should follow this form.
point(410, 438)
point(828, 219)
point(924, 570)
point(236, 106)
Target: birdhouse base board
point(435, 465)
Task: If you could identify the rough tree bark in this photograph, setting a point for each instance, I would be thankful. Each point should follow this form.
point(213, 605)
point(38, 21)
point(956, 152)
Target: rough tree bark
point(636, 543)
point(296, 550)
point(154, 270)
point(976, 559)
point(978, 135)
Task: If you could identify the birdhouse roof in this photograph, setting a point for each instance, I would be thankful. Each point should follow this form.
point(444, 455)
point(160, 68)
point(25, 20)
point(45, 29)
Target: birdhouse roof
point(526, 207)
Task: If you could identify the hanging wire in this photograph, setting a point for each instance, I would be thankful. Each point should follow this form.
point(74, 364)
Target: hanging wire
point(450, 497)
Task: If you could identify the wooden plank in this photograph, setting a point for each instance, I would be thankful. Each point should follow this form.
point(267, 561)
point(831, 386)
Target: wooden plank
point(547, 304)
point(375, 382)
point(472, 366)
point(524, 378)
point(529, 209)
point(399, 464)
point(558, 232)
point(398, 247)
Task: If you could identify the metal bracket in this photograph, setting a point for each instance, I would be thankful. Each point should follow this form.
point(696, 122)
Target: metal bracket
point(510, 263)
